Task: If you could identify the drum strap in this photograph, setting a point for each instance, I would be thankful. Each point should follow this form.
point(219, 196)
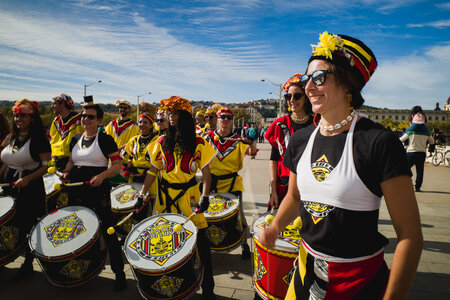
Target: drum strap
point(216, 178)
point(164, 185)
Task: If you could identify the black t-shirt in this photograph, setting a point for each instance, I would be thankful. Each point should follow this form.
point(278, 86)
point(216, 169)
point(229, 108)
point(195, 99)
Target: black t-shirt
point(378, 155)
point(105, 141)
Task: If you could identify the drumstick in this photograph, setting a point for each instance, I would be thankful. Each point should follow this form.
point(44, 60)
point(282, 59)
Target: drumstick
point(57, 186)
point(6, 184)
point(111, 229)
point(52, 170)
point(178, 227)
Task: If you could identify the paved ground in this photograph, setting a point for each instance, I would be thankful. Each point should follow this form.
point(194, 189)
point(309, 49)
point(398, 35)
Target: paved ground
point(233, 276)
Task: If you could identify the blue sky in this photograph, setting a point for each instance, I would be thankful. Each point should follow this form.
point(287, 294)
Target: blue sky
point(215, 50)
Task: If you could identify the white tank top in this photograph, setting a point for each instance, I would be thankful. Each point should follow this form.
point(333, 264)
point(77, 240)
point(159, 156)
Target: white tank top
point(19, 160)
point(91, 156)
point(342, 188)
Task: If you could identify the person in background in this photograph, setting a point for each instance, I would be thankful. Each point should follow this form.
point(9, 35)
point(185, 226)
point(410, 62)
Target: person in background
point(418, 136)
point(211, 117)
point(200, 120)
point(299, 115)
point(181, 145)
point(339, 172)
point(229, 160)
point(439, 140)
point(94, 158)
point(162, 122)
point(25, 159)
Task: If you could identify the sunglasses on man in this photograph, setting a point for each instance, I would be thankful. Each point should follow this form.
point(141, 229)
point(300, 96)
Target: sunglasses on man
point(90, 117)
point(318, 78)
point(227, 117)
point(159, 120)
point(297, 96)
point(209, 117)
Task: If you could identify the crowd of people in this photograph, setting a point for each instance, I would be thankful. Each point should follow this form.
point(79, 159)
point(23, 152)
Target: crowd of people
point(329, 164)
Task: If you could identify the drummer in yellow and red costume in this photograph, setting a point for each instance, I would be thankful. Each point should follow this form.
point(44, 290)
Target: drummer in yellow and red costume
point(94, 159)
point(278, 134)
point(63, 128)
point(229, 160)
point(123, 128)
point(211, 117)
point(200, 121)
point(177, 156)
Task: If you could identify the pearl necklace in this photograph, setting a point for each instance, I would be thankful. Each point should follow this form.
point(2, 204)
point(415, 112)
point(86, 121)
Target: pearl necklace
point(88, 137)
point(299, 120)
point(339, 125)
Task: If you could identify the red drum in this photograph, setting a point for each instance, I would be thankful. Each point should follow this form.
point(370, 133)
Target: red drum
point(273, 268)
point(12, 240)
point(123, 199)
point(165, 263)
point(224, 230)
point(69, 246)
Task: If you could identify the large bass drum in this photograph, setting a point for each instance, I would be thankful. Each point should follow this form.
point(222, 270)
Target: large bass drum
point(12, 239)
point(224, 230)
point(165, 263)
point(69, 246)
point(273, 268)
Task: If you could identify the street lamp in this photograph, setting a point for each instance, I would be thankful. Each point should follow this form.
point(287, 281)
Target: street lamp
point(86, 85)
point(139, 96)
point(280, 100)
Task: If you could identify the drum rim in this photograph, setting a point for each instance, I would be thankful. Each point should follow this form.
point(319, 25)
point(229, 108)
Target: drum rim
point(89, 242)
point(229, 213)
point(190, 252)
point(6, 215)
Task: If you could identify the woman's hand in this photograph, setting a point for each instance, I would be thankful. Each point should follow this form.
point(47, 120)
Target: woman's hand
point(97, 180)
point(268, 236)
point(273, 201)
point(21, 182)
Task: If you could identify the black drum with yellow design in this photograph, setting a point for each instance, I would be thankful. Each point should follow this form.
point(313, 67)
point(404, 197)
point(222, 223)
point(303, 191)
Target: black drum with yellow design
point(224, 230)
point(165, 263)
point(12, 239)
point(69, 246)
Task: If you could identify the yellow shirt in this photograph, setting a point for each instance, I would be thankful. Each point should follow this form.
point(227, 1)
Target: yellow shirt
point(177, 168)
point(62, 132)
point(122, 133)
point(229, 159)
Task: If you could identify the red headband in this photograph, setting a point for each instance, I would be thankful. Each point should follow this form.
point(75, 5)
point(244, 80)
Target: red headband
point(146, 115)
point(225, 110)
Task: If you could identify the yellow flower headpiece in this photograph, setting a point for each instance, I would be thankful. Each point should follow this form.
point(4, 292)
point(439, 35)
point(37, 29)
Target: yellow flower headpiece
point(327, 44)
point(176, 103)
point(294, 79)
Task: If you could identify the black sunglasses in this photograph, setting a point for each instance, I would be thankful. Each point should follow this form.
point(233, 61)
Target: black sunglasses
point(228, 117)
point(318, 78)
point(209, 117)
point(159, 120)
point(90, 117)
point(297, 96)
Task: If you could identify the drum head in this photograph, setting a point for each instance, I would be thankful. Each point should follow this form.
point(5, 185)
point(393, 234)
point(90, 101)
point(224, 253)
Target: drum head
point(64, 231)
point(289, 239)
point(124, 196)
point(49, 182)
point(153, 245)
point(6, 204)
point(221, 205)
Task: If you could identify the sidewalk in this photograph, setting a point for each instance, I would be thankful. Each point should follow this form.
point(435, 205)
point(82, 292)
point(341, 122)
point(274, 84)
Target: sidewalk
point(233, 276)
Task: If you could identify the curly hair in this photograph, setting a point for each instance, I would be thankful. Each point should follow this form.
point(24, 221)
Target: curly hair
point(183, 134)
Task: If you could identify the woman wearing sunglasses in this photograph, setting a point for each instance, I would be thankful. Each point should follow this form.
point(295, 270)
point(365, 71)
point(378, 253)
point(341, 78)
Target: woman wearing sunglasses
point(211, 117)
point(279, 133)
point(161, 122)
point(339, 173)
point(25, 158)
point(94, 158)
point(177, 155)
point(229, 160)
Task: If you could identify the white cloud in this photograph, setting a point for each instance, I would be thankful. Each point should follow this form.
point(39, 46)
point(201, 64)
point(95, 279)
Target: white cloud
point(442, 24)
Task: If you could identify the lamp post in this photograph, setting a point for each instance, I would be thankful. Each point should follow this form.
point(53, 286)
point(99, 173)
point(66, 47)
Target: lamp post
point(86, 85)
point(280, 99)
point(137, 110)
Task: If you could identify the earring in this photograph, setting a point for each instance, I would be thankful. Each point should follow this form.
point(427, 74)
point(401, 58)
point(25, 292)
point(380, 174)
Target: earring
point(349, 101)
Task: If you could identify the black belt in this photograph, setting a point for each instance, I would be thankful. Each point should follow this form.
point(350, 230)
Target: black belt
point(216, 178)
point(164, 185)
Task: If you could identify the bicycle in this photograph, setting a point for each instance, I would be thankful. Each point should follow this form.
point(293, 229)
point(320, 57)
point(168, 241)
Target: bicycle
point(440, 155)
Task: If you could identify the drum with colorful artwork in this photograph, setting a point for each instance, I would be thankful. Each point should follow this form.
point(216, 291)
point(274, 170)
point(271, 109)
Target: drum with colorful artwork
point(274, 268)
point(224, 230)
point(165, 263)
point(54, 198)
point(69, 246)
point(123, 199)
point(12, 240)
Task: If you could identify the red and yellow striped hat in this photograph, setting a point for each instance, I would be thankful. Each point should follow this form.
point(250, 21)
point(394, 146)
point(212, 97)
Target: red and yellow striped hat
point(176, 103)
point(347, 52)
point(294, 79)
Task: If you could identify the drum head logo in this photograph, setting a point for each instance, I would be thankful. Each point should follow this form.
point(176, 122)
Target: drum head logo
point(159, 242)
point(215, 234)
point(126, 196)
point(218, 204)
point(290, 234)
point(64, 229)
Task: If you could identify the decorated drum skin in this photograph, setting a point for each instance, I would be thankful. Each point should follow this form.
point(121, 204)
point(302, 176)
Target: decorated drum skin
point(123, 199)
point(69, 246)
point(273, 269)
point(165, 263)
point(12, 240)
point(224, 230)
point(54, 198)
